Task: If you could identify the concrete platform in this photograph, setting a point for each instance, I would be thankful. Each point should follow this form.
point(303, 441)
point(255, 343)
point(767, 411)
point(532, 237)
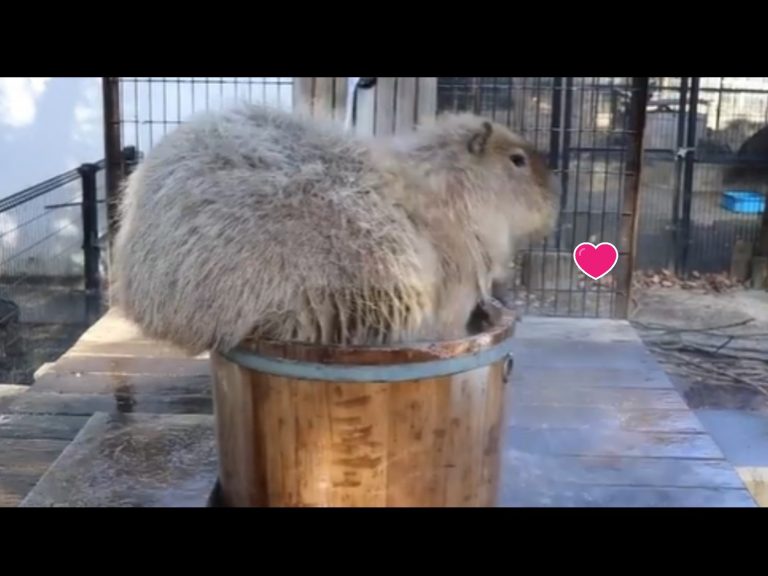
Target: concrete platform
point(743, 437)
point(130, 460)
point(593, 421)
point(9, 392)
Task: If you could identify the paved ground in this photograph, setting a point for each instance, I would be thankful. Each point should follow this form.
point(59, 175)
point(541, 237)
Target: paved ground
point(594, 421)
point(721, 372)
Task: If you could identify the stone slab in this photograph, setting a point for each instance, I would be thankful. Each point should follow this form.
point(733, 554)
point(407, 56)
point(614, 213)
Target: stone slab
point(159, 385)
point(114, 366)
point(132, 460)
point(580, 354)
point(590, 376)
point(525, 470)
point(584, 442)
point(743, 436)
point(575, 329)
point(88, 404)
point(22, 463)
point(32, 426)
point(576, 496)
point(9, 392)
point(596, 418)
point(617, 399)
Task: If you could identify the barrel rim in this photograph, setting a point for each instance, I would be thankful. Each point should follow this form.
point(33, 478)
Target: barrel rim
point(364, 364)
point(412, 352)
point(373, 374)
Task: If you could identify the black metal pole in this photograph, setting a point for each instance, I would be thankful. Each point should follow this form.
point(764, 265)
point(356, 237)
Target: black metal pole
point(566, 123)
point(555, 127)
point(91, 249)
point(688, 171)
point(565, 166)
point(555, 135)
point(630, 206)
point(678, 164)
point(113, 150)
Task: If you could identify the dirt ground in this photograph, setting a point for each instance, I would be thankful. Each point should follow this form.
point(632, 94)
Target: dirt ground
point(712, 342)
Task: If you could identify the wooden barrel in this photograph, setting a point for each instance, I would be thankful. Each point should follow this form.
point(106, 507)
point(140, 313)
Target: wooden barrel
point(416, 426)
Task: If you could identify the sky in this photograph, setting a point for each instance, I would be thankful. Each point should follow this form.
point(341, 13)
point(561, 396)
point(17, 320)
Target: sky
point(47, 126)
point(51, 125)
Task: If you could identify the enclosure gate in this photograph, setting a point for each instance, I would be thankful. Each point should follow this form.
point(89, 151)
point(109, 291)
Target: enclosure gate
point(694, 157)
point(590, 128)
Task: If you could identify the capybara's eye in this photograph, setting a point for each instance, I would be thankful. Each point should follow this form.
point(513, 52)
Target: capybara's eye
point(518, 160)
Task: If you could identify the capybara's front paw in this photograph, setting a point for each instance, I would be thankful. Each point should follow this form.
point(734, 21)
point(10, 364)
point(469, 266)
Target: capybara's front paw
point(486, 314)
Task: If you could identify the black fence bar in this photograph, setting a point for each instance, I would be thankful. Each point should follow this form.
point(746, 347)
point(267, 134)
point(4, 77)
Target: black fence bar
point(684, 221)
point(90, 226)
point(688, 173)
point(678, 181)
point(113, 152)
point(565, 179)
point(565, 161)
point(630, 203)
point(555, 140)
point(91, 249)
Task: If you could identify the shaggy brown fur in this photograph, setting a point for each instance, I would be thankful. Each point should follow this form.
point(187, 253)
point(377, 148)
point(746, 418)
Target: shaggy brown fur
point(255, 222)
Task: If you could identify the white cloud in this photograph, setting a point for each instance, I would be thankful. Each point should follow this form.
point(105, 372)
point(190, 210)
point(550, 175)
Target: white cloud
point(18, 100)
point(88, 112)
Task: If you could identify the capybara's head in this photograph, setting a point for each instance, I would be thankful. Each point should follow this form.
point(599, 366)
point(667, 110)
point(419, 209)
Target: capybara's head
point(504, 179)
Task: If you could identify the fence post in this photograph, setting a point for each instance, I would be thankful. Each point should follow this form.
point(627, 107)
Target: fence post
point(688, 175)
point(321, 97)
point(630, 203)
point(91, 249)
point(114, 169)
point(674, 261)
point(392, 105)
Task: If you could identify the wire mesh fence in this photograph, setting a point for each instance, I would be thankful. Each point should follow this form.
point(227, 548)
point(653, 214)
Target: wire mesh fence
point(704, 174)
point(42, 268)
point(702, 193)
point(152, 106)
point(583, 124)
point(693, 128)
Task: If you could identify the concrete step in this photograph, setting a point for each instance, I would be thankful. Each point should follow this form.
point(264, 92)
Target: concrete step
point(743, 438)
point(133, 460)
point(119, 402)
point(22, 462)
point(9, 392)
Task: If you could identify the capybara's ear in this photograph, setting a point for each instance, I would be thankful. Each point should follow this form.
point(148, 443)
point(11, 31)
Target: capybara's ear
point(478, 139)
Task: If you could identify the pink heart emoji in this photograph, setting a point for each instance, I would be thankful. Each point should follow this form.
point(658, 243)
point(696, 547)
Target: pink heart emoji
point(595, 261)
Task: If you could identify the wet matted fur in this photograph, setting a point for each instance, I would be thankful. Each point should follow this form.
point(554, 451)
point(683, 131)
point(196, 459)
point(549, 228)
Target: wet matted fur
point(258, 222)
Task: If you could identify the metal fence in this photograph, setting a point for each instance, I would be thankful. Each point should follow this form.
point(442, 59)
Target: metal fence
point(704, 173)
point(50, 238)
point(150, 107)
point(583, 123)
point(586, 128)
point(689, 131)
point(699, 200)
point(140, 110)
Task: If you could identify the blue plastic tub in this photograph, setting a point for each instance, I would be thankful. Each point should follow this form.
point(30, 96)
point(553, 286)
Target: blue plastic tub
point(743, 201)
